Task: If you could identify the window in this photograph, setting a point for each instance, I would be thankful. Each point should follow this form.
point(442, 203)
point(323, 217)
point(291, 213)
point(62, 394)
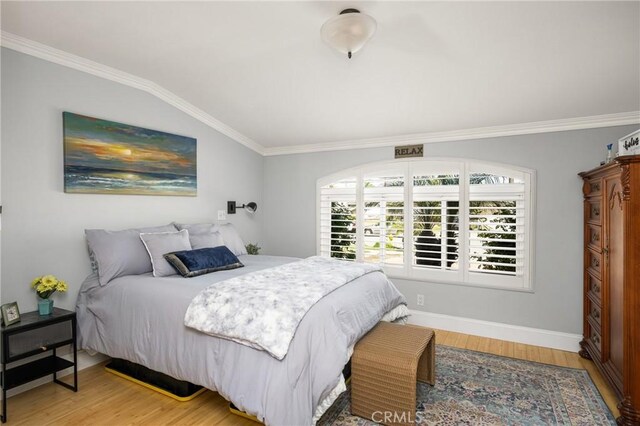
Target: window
point(448, 221)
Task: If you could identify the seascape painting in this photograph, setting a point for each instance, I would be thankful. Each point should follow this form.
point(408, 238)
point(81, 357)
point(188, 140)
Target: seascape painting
point(104, 157)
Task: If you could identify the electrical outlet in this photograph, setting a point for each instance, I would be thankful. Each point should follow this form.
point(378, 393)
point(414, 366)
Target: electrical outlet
point(420, 301)
point(222, 215)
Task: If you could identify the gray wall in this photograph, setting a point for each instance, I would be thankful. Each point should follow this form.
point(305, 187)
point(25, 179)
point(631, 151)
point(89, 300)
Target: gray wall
point(556, 304)
point(42, 227)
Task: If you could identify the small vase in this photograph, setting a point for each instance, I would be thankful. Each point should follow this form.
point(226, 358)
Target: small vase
point(45, 306)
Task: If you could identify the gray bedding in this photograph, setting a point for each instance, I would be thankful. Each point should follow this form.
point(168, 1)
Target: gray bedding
point(141, 318)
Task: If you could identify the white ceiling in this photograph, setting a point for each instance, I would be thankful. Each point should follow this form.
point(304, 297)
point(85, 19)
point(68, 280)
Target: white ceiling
point(262, 69)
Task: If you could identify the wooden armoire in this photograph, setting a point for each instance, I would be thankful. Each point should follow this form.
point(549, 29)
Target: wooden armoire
point(612, 279)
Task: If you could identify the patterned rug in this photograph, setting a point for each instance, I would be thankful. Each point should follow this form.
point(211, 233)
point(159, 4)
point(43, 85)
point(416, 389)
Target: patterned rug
point(474, 388)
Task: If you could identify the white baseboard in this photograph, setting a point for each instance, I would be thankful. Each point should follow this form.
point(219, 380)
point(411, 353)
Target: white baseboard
point(495, 330)
point(84, 361)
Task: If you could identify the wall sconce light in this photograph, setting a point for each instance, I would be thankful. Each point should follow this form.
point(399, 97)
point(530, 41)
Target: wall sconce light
point(250, 207)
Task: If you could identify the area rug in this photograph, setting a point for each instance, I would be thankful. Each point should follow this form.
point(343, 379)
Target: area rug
point(474, 388)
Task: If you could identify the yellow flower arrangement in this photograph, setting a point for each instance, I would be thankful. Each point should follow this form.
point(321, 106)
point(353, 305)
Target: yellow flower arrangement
point(46, 285)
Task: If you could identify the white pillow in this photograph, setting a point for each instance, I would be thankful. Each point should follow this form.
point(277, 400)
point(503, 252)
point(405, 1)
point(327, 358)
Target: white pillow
point(202, 235)
point(232, 239)
point(161, 243)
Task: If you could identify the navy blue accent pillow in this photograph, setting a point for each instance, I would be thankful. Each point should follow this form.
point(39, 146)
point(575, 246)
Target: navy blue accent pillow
point(191, 263)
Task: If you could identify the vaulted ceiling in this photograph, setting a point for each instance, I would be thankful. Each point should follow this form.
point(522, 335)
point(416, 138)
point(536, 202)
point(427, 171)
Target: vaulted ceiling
point(262, 69)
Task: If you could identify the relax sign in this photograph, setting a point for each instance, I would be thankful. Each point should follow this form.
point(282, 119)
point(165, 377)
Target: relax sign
point(630, 144)
point(407, 151)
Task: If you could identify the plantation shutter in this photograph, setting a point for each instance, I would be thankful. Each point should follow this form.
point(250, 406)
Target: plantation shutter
point(338, 219)
point(496, 226)
point(436, 221)
point(383, 218)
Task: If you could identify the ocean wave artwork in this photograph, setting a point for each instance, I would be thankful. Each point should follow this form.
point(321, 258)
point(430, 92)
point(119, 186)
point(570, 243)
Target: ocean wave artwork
point(105, 157)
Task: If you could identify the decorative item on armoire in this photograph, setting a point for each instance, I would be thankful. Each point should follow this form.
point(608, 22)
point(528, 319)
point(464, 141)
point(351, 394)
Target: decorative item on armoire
point(45, 286)
point(611, 295)
point(630, 144)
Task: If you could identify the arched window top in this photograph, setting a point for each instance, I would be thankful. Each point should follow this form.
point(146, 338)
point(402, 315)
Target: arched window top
point(435, 166)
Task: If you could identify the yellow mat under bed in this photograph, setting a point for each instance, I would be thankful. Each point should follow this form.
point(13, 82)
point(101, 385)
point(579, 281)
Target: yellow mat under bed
point(155, 388)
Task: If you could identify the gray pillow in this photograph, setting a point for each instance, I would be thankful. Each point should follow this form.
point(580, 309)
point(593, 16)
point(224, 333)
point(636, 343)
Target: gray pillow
point(161, 243)
point(202, 235)
point(232, 239)
point(118, 253)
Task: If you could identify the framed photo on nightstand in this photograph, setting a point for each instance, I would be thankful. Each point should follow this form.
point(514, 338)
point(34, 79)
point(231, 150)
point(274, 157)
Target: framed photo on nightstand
point(10, 313)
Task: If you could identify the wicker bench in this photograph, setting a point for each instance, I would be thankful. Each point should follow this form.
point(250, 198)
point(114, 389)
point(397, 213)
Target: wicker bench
point(385, 367)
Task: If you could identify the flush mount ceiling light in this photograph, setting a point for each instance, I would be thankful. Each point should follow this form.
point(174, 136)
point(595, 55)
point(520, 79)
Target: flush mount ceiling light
point(349, 31)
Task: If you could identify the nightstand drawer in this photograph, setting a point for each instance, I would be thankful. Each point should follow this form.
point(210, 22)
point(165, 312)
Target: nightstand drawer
point(38, 339)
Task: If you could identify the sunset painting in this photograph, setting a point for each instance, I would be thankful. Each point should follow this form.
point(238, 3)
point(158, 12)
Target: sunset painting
point(104, 157)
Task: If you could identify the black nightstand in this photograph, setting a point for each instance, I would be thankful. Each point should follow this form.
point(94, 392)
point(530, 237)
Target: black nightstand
point(33, 335)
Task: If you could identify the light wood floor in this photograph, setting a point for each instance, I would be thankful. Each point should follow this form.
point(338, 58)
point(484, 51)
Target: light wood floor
point(105, 399)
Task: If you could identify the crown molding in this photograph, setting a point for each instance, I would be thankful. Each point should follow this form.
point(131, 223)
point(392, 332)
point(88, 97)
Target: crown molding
point(580, 123)
point(60, 57)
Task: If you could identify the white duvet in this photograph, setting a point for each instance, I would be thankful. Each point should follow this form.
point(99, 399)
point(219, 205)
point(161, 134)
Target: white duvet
point(263, 309)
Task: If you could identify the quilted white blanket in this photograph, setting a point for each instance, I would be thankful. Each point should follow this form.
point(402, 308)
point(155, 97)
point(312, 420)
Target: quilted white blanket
point(263, 309)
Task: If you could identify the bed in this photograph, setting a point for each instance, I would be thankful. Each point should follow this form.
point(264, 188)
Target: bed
point(140, 318)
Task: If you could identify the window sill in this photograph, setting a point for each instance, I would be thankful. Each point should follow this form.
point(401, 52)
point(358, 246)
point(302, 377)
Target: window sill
point(392, 275)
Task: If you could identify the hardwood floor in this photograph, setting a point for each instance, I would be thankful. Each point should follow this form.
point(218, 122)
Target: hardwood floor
point(105, 399)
